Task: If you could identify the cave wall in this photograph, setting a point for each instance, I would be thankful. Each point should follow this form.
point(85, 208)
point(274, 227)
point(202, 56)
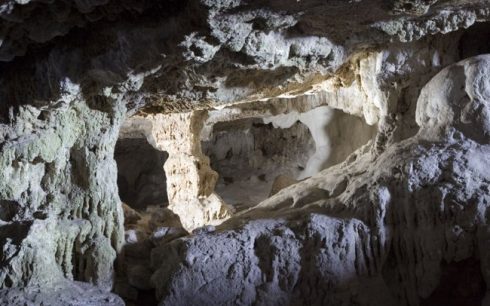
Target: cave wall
point(374, 230)
point(60, 217)
point(71, 71)
point(190, 179)
point(336, 135)
point(254, 155)
point(251, 147)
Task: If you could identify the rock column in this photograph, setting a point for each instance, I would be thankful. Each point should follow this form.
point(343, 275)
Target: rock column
point(190, 179)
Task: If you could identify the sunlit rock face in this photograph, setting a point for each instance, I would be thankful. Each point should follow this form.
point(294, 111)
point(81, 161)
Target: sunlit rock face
point(374, 230)
point(365, 181)
point(249, 155)
point(190, 181)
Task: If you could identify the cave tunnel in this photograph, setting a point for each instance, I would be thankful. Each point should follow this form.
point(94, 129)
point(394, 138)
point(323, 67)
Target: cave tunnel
point(141, 179)
point(255, 157)
point(249, 154)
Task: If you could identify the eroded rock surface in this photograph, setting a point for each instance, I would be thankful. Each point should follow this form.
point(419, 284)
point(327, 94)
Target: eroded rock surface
point(201, 53)
point(72, 72)
point(144, 230)
point(60, 215)
point(189, 178)
point(62, 293)
point(377, 233)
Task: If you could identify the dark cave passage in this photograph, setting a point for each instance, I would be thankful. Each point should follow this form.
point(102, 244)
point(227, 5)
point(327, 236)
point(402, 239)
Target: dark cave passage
point(142, 188)
point(141, 178)
point(461, 283)
point(249, 154)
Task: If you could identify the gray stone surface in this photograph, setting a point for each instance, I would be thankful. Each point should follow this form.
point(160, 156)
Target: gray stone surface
point(205, 52)
point(62, 294)
point(383, 221)
point(58, 176)
point(378, 234)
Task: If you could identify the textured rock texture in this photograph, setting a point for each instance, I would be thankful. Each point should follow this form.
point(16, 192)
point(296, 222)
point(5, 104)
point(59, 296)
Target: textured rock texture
point(249, 149)
point(60, 216)
point(190, 179)
point(145, 230)
point(201, 53)
point(375, 230)
point(395, 216)
point(62, 293)
point(248, 155)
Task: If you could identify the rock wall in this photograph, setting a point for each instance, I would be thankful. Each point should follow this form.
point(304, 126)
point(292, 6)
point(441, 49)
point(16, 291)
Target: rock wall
point(336, 135)
point(375, 230)
point(248, 155)
point(251, 152)
point(386, 221)
point(200, 53)
point(60, 216)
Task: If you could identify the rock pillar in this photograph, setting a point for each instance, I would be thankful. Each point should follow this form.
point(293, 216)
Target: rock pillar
point(190, 179)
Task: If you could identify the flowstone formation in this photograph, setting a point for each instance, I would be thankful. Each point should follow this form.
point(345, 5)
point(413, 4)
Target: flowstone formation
point(267, 152)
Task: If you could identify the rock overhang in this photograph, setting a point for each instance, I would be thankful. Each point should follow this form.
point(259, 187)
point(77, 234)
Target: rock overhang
point(179, 56)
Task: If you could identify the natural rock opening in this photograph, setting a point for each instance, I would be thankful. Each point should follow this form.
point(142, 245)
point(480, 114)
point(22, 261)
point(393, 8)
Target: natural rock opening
point(141, 179)
point(190, 179)
point(461, 283)
point(249, 155)
point(474, 41)
point(148, 222)
point(257, 156)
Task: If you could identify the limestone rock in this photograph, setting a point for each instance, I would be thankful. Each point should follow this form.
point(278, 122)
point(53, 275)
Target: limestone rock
point(63, 293)
point(57, 174)
point(131, 216)
point(377, 236)
point(384, 220)
point(200, 53)
point(190, 179)
point(155, 226)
